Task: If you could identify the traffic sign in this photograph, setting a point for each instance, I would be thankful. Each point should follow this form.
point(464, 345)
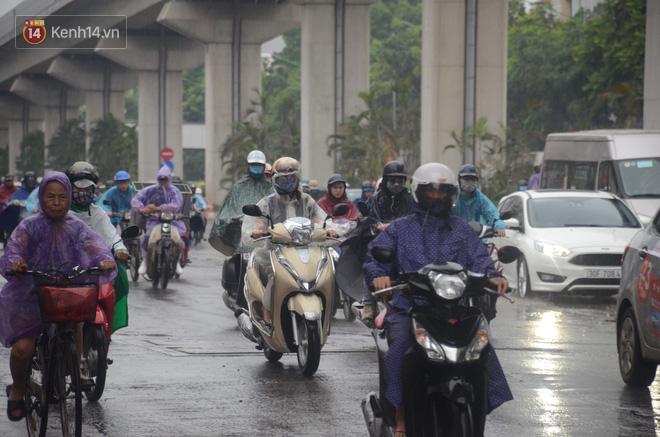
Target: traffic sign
point(167, 154)
point(170, 164)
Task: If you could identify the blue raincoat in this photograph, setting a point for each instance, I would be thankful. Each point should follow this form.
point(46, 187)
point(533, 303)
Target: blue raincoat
point(120, 201)
point(477, 207)
point(418, 240)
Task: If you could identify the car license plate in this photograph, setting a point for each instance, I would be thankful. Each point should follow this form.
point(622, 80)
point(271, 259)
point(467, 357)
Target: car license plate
point(603, 273)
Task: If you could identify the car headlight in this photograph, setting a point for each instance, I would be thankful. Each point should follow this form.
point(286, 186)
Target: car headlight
point(448, 286)
point(432, 348)
point(550, 249)
point(479, 342)
point(301, 236)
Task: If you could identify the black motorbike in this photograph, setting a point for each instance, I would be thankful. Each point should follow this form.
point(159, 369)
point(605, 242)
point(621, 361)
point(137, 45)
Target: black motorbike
point(445, 372)
point(197, 227)
point(349, 275)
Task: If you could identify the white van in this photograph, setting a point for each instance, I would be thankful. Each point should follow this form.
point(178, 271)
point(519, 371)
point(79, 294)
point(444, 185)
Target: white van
point(623, 162)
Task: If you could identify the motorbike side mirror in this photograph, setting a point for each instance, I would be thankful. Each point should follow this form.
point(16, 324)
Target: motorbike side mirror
point(130, 232)
point(252, 210)
point(340, 209)
point(107, 202)
point(508, 254)
point(362, 207)
point(383, 254)
point(506, 215)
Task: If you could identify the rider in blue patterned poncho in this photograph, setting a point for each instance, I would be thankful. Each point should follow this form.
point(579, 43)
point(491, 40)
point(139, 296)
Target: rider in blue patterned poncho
point(429, 235)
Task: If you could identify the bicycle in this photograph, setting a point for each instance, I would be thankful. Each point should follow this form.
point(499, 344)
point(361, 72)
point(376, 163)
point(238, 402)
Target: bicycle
point(54, 371)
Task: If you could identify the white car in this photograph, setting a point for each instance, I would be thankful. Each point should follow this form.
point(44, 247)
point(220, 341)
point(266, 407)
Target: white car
point(570, 240)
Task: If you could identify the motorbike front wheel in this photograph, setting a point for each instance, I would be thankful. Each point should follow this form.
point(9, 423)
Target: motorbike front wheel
point(309, 347)
point(270, 354)
point(166, 267)
point(346, 306)
point(136, 258)
point(94, 360)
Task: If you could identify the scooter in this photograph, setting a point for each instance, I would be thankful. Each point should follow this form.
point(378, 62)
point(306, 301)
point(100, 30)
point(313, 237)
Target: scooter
point(197, 227)
point(96, 334)
point(163, 249)
point(302, 292)
point(445, 373)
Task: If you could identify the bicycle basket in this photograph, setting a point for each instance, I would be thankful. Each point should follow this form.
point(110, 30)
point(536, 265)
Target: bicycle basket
point(73, 303)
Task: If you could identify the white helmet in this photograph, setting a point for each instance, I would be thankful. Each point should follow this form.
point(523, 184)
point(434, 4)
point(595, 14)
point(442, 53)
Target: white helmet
point(256, 157)
point(433, 173)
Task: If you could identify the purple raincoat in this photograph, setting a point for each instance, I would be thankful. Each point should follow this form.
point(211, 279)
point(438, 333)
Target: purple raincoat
point(169, 198)
point(419, 240)
point(44, 243)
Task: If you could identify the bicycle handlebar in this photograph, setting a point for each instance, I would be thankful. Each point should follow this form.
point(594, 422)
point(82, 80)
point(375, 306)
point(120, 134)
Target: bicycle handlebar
point(57, 274)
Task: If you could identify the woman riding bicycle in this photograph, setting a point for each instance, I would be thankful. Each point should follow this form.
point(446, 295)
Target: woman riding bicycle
point(47, 240)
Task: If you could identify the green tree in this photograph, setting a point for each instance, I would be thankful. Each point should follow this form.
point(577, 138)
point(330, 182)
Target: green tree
point(131, 104)
point(193, 164)
point(67, 146)
point(260, 131)
point(113, 147)
point(611, 56)
point(193, 95)
point(32, 153)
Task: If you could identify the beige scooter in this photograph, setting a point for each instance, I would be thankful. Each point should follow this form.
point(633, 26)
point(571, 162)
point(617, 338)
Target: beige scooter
point(302, 293)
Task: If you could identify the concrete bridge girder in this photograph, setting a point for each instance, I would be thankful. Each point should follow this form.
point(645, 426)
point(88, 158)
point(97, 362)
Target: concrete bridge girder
point(144, 55)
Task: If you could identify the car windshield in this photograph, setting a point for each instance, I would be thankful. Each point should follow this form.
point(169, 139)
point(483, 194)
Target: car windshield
point(640, 177)
point(353, 193)
point(561, 212)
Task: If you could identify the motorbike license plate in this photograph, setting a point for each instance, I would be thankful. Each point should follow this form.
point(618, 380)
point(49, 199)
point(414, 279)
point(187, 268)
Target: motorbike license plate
point(603, 273)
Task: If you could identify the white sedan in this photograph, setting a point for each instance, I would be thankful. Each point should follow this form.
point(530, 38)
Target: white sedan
point(570, 240)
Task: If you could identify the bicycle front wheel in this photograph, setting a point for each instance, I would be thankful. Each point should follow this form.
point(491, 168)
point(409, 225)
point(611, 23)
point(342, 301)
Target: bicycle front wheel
point(38, 391)
point(67, 388)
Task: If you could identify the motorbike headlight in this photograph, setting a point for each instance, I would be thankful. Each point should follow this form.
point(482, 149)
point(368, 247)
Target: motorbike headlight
point(433, 349)
point(479, 342)
point(127, 215)
point(448, 286)
point(167, 215)
point(550, 249)
point(301, 236)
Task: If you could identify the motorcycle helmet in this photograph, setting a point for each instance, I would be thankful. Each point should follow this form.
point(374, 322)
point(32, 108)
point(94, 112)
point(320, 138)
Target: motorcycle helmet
point(394, 169)
point(122, 176)
point(286, 166)
point(336, 178)
point(256, 157)
point(82, 174)
point(440, 177)
point(30, 179)
point(468, 170)
point(367, 186)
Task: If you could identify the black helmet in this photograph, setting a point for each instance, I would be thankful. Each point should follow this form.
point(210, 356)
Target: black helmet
point(30, 179)
point(81, 173)
point(394, 169)
point(336, 178)
point(468, 170)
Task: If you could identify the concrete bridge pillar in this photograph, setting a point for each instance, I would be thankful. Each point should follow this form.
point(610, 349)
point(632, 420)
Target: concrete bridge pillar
point(22, 118)
point(444, 75)
point(233, 38)
point(54, 96)
point(329, 90)
point(102, 82)
point(652, 66)
point(159, 61)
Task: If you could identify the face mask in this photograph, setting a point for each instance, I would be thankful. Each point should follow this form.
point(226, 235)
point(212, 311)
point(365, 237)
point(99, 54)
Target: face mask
point(257, 169)
point(395, 188)
point(82, 199)
point(468, 187)
point(288, 185)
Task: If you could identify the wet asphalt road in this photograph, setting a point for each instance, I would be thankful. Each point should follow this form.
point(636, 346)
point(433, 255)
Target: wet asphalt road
point(182, 368)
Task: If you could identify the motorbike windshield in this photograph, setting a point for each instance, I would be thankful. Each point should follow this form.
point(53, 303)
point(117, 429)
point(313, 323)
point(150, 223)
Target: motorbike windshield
point(301, 230)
